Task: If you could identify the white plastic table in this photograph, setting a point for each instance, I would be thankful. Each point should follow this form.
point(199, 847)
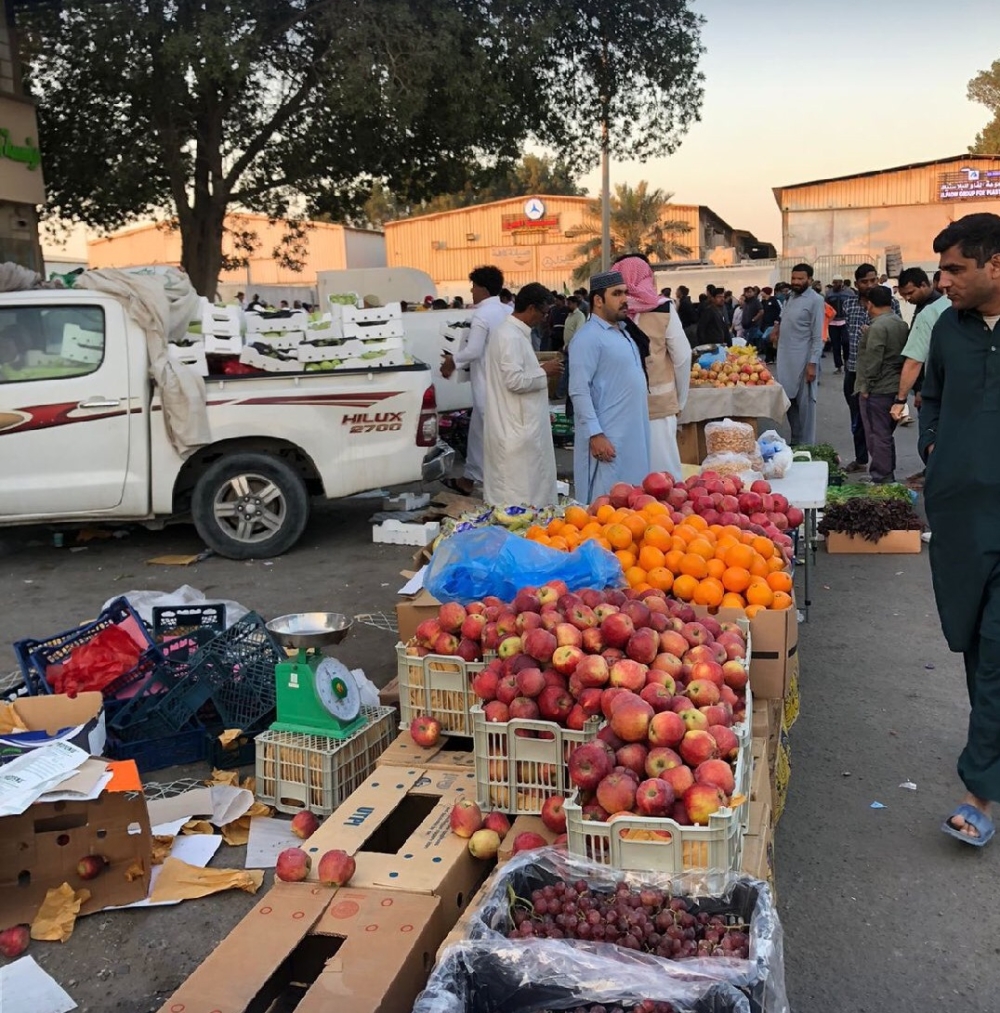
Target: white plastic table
point(804, 486)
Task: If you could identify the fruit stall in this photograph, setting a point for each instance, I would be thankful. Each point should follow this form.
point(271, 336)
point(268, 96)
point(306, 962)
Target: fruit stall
point(568, 794)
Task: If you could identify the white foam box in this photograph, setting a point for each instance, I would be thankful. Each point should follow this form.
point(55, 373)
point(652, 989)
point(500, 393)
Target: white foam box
point(82, 346)
point(381, 329)
point(283, 340)
point(192, 356)
point(386, 360)
point(223, 321)
point(375, 322)
point(269, 321)
point(324, 329)
point(392, 532)
point(251, 357)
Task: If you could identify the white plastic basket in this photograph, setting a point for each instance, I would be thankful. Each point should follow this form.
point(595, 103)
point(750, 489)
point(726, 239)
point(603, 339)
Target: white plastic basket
point(438, 685)
point(517, 774)
point(297, 771)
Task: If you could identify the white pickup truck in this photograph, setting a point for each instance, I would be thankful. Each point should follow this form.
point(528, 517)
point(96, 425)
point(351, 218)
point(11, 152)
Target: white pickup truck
point(86, 441)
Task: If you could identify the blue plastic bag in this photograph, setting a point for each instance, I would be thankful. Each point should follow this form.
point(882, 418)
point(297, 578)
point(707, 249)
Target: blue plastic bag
point(491, 561)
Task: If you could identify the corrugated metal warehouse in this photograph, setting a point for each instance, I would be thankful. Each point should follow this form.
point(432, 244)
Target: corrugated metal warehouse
point(838, 223)
point(327, 248)
point(529, 239)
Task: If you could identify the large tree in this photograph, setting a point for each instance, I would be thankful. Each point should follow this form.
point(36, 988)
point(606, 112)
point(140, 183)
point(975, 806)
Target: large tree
point(189, 109)
point(984, 88)
point(640, 223)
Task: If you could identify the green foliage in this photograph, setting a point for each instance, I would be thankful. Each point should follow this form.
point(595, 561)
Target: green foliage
point(984, 88)
point(191, 108)
point(632, 66)
point(638, 225)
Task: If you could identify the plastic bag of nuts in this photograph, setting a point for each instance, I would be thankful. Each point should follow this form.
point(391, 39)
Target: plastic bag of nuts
point(729, 437)
point(727, 465)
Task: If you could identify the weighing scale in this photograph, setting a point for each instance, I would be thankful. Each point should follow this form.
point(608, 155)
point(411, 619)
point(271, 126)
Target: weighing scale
point(316, 695)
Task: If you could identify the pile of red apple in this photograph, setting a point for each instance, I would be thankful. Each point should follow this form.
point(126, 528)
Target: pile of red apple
point(719, 500)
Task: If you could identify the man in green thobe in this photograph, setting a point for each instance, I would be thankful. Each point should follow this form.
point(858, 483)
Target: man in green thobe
point(960, 443)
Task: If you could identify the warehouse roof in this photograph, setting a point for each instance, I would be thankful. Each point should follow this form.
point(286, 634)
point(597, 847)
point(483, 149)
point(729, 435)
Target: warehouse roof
point(878, 172)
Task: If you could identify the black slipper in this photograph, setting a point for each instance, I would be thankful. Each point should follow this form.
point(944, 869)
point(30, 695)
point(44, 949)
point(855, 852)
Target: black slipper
point(451, 483)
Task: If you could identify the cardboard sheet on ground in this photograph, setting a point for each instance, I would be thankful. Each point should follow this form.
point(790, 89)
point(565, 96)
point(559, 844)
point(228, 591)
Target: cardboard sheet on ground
point(180, 881)
point(221, 803)
point(415, 583)
point(26, 988)
point(57, 916)
point(32, 774)
point(268, 837)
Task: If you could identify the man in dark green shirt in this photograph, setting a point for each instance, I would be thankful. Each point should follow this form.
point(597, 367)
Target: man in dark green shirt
point(960, 443)
point(879, 364)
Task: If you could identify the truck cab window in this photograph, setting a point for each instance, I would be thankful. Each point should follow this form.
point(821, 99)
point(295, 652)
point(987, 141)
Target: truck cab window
point(50, 342)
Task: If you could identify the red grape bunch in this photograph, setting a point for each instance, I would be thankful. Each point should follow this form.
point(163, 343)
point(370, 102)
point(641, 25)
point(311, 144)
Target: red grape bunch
point(648, 920)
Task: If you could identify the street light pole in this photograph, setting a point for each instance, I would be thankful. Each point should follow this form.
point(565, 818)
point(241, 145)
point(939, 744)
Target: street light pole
point(605, 165)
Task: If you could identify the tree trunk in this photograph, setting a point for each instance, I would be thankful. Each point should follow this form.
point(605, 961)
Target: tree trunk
point(201, 244)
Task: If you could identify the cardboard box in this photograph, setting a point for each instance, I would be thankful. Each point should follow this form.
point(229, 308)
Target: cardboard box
point(522, 825)
point(691, 438)
point(451, 753)
point(758, 844)
point(388, 695)
point(760, 778)
point(396, 825)
point(462, 928)
point(40, 848)
point(774, 635)
point(413, 611)
point(897, 542)
point(57, 718)
point(760, 727)
point(775, 709)
point(315, 949)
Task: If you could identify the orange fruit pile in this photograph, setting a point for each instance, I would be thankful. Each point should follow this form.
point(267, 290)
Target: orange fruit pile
point(713, 565)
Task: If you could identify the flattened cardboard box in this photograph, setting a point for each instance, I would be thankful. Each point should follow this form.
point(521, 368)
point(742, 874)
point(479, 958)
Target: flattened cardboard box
point(316, 949)
point(758, 844)
point(448, 753)
point(40, 849)
point(57, 718)
point(397, 826)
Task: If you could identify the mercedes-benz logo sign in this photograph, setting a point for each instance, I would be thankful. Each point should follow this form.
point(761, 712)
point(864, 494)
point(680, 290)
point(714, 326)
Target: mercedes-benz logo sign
point(534, 209)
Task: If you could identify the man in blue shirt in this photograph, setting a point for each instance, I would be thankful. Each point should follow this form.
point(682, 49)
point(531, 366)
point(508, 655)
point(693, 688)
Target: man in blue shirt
point(607, 383)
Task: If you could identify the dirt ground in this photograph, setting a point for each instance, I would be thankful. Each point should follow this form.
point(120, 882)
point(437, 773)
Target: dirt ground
point(881, 911)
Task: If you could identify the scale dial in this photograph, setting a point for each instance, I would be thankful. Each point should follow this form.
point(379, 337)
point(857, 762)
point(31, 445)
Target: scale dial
point(337, 690)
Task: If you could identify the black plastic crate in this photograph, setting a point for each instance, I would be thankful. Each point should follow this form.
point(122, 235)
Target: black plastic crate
point(168, 750)
point(241, 752)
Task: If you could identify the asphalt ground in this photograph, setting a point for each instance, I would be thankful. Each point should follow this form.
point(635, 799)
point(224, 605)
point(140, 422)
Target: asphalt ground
point(881, 911)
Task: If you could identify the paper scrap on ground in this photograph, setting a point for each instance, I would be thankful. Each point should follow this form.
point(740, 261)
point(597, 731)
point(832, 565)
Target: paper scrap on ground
point(237, 833)
point(161, 847)
point(85, 784)
point(415, 583)
point(198, 827)
point(10, 720)
point(229, 735)
point(221, 803)
point(268, 837)
point(171, 829)
point(57, 915)
point(26, 988)
point(172, 560)
point(180, 881)
point(30, 775)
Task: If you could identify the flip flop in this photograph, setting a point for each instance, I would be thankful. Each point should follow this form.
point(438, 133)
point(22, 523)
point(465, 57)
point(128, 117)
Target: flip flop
point(980, 822)
point(451, 483)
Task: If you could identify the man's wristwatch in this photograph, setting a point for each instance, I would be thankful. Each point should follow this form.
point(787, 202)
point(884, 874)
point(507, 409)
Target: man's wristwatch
point(899, 400)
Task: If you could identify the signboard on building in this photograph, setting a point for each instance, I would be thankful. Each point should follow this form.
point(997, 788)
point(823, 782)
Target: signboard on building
point(969, 184)
point(20, 160)
point(515, 223)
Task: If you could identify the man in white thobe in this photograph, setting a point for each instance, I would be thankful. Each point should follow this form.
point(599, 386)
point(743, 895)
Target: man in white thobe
point(519, 459)
point(490, 312)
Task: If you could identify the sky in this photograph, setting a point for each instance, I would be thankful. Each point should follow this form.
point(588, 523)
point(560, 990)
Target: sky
point(794, 92)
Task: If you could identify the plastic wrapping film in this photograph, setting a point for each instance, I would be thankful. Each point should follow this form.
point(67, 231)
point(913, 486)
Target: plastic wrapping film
point(508, 977)
point(761, 977)
point(491, 561)
point(729, 437)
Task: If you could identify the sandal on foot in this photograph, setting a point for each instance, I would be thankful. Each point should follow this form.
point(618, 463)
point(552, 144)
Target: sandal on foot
point(976, 819)
point(451, 483)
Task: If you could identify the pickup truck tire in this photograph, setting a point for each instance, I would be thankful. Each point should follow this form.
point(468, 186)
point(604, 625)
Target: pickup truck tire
point(250, 506)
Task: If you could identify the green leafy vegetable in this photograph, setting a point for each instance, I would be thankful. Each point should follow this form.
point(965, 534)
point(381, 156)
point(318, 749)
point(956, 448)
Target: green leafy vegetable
point(869, 518)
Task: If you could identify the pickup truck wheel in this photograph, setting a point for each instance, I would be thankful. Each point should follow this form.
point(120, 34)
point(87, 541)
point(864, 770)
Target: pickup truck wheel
point(248, 506)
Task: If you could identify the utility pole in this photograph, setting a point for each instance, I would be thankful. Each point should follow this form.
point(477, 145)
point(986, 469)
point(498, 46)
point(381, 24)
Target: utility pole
point(605, 164)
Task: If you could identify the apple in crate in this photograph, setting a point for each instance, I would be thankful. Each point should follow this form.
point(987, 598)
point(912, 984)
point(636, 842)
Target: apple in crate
point(466, 817)
point(304, 824)
point(553, 814)
point(696, 747)
point(701, 800)
point(589, 765)
point(451, 615)
point(336, 868)
point(660, 760)
point(293, 865)
point(716, 773)
point(616, 793)
point(425, 730)
point(654, 797)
